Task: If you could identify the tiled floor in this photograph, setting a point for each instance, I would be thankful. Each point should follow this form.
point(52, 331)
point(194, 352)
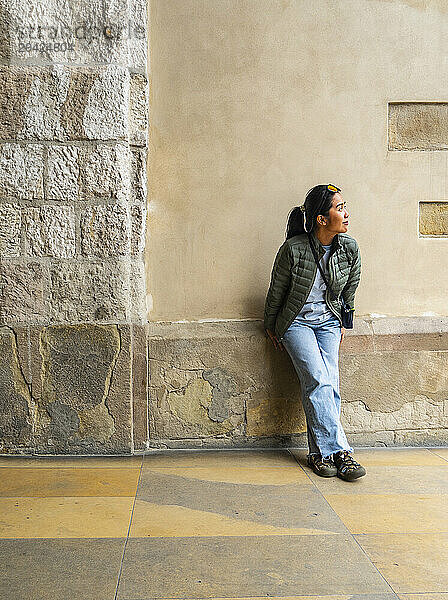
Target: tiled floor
point(224, 524)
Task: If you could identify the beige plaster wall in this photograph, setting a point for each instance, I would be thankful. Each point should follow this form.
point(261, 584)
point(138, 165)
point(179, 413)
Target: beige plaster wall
point(254, 102)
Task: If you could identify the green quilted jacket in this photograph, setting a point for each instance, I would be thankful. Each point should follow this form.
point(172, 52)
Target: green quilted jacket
point(293, 275)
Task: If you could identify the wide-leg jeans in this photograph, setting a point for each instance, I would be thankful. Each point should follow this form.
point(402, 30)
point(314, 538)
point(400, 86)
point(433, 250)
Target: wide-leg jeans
point(314, 351)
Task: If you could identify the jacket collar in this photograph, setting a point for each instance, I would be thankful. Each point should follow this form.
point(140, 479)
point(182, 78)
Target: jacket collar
point(336, 243)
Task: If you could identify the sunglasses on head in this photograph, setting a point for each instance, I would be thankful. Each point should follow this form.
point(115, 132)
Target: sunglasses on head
point(333, 188)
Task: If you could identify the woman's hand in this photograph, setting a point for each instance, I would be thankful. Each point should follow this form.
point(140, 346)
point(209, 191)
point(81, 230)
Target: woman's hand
point(342, 333)
point(277, 345)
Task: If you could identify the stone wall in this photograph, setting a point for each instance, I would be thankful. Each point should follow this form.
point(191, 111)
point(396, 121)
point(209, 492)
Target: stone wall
point(222, 384)
point(73, 143)
point(81, 369)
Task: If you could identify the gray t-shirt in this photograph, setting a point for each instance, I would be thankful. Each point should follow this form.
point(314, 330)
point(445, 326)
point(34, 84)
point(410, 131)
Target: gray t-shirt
point(315, 309)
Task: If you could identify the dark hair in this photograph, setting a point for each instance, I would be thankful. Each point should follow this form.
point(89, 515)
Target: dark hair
point(318, 201)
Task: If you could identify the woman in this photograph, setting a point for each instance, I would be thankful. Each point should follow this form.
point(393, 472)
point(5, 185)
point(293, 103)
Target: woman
point(305, 317)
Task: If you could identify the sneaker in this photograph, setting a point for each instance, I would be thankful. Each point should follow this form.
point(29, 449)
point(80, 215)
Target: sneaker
point(324, 467)
point(348, 468)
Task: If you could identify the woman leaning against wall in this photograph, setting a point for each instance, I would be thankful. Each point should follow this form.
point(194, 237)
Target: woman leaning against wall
point(305, 310)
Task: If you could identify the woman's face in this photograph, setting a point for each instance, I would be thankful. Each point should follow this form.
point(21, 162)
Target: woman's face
point(338, 216)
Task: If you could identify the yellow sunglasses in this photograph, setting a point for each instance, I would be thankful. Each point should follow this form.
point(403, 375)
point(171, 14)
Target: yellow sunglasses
point(333, 188)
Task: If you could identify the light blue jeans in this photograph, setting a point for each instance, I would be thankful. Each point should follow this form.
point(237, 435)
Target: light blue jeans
point(314, 351)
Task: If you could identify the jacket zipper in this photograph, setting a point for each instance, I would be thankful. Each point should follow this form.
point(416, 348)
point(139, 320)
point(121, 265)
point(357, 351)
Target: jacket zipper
point(306, 296)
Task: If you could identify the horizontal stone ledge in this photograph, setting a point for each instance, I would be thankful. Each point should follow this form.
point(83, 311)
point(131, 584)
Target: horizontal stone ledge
point(368, 335)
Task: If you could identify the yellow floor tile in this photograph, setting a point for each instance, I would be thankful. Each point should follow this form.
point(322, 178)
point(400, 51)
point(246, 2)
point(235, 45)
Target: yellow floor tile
point(156, 520)
point(68, 482)
point(242, 475)
point(399, 457)
point(394, 513)
point(65, 517)
point(80, 462)
point(410, 563)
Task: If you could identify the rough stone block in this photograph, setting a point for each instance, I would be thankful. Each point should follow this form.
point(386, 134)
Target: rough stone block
point(418, 126)
point(139, 175)
point(22, 292)
point(138, 107)
point(79, 364)
point(433, 218)
point(138, 226)
point(16, 406)
point(106, 172)
point(106, 109)
point(63, 103)
point(85, 291)
point(10, 224)
point(21, 171)
point(40, 116)
point(63, 173)
point(138, 46)
point(15, 84)
point(105, 230)
point(50, 231)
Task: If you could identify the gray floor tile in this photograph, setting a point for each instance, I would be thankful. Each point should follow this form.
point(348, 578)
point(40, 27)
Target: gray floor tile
point(290, 505)
point(238, 567)
point(59, 569)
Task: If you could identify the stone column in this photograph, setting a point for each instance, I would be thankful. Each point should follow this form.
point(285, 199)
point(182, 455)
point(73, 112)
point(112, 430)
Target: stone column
point(73, 145)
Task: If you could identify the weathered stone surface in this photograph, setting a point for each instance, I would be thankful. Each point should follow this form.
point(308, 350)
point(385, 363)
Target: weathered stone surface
point(10, 223)
point(274, 416)
point(138, 109)
point(433, 218)
point(106, 172)
point(418, 412)
point(22, 292)
point(138, 226)
point(82, 33)
point(384, 394)
point(105, 230)
point(78, 362)
point(386, 381)
point(187, 412)
point(85, 291)
point(418, 126)
point(140, 406)
point(50, 231)
point(235, 363)
point(63, 173)
point(21, 171)
point(435, 436)
point(16, 407)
